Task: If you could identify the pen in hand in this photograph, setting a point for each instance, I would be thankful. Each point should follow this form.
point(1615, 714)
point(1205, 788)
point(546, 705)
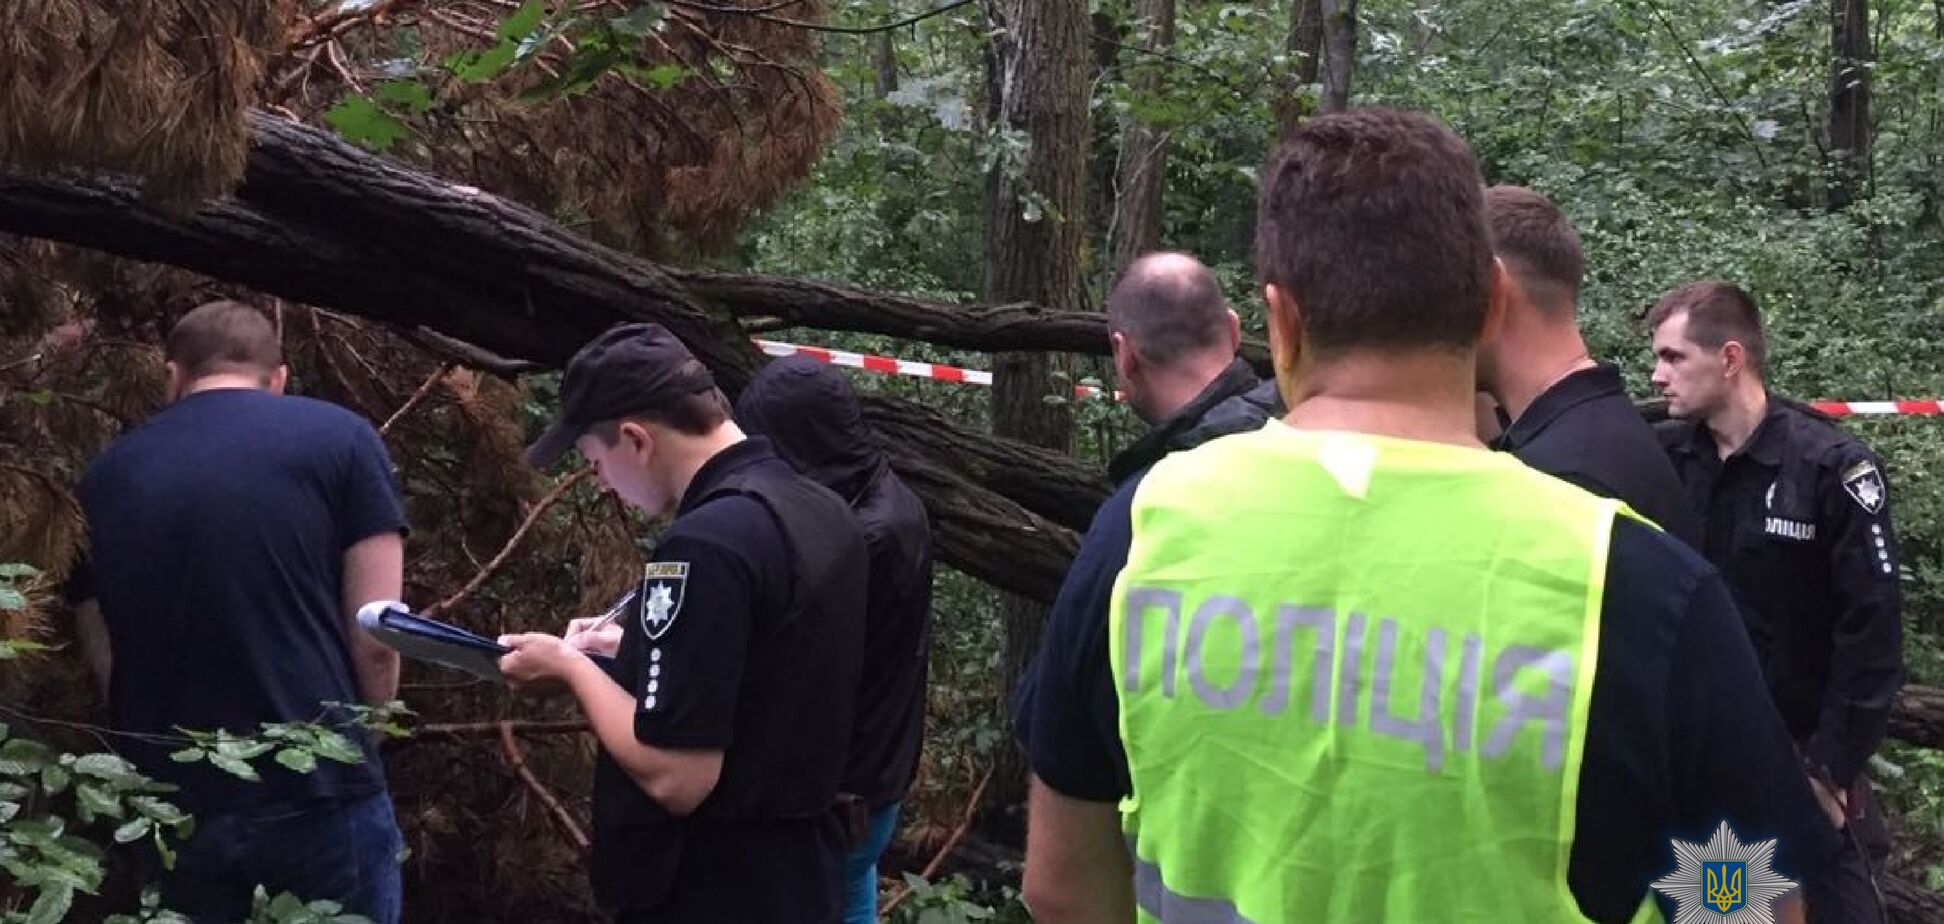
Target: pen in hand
point(613, 611)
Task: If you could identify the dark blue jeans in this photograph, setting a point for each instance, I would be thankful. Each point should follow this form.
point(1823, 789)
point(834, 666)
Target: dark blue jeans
point(343, 850)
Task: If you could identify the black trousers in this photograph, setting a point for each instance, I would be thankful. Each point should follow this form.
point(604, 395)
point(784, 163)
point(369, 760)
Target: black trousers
point(1866, 848)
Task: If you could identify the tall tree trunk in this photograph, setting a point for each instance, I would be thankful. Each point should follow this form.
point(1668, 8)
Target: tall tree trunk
point(884, 64)
point(1305, 46)
point(1850, 57)
point(1340, 35)
point(1033, 239)
point(1143, 167)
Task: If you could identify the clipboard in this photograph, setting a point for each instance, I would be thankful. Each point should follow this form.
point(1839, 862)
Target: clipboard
point(430, 640)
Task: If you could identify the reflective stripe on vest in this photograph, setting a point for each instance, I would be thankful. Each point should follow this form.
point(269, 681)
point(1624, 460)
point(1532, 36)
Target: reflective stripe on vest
point(1353, 676)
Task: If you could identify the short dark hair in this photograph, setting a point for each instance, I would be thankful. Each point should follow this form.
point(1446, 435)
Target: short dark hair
point(1373, 221)
point(695, 414)
point(1168, 305)
point(223, 338)
point(1529, 231)
point(1717, 312)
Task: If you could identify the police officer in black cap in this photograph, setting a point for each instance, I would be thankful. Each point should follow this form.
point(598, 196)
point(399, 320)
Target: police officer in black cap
point(1796, 514)
point(724, 716)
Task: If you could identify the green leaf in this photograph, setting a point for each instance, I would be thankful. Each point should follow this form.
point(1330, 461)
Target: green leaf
point(163, 812)
point(8, 810)
point(285, 905)
point(51, 906)
point(242, 748)
point(587, 66)
point(11, 600)
point(110, 767)
point(640, 21)
point(14, 570)
point(297, 759)
point(410, 95)
point(163, 851)
point(24, 757)
point(334, 746)
point(4, 731)
point(38, 832)
point(14, 791)
point(134, 830)
point(666, 75)
point(363, 123)
point(523, 21)
point(234, 767)
point(94, 799)
point(188, 755)
point(55, 778)
point(481, 66)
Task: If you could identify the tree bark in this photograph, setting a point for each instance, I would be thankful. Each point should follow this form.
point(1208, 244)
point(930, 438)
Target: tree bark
point(322, 223)
point(1143, 169)
point(1340, 35)
point(1850, 58)
point(1305, 47)
point(1033, 239)
point(884, 65)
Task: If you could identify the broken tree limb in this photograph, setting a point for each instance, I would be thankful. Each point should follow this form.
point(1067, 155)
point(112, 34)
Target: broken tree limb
point(783, 301)
point(538, 302)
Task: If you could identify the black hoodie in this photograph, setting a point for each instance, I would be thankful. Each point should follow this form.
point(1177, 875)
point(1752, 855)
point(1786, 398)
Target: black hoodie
point(813, 420)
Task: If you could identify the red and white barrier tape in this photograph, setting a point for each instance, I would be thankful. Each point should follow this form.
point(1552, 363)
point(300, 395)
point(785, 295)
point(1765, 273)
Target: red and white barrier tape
point(1847, 408)
point(942, 373)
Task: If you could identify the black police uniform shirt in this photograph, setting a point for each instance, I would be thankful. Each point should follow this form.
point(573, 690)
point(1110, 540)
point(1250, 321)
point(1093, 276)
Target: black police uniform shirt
point(812, 418)
point(217, 531)
point(700, 655)
point(1674, 743)
point(1798, 521)
point(1585, 430)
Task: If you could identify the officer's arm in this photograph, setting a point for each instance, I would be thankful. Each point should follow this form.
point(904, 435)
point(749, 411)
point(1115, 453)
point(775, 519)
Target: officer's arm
point(1866, 639)
point(91, 630)
point(1076, 863)
point(678, 779)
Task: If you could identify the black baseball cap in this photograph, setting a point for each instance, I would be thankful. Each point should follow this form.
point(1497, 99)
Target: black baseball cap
point(631, 369)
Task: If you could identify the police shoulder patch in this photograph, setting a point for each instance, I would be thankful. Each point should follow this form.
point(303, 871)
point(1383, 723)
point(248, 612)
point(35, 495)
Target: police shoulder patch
point(662, 590)
point(1865, 486)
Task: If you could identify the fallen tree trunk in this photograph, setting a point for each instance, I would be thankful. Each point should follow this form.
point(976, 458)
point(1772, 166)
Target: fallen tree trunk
point(322, 223)
point(1910, 903)
point(1918, 717)
point(796, 302)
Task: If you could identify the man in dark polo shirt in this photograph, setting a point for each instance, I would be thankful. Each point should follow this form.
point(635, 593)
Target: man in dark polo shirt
point(232, 538)
point(812, 417)
point(1570, 416)
point(725, 717)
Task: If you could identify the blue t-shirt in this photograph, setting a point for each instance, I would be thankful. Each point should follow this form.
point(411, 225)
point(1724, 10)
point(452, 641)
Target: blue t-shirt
point(1679, 739)
point(217, 532)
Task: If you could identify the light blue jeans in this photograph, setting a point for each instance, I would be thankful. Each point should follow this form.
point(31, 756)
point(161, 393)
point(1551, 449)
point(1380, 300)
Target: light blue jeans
point(861, 868)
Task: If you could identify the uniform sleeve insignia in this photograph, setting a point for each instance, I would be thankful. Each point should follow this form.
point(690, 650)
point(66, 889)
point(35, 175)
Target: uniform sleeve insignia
point(1865, 486)
point(662, 586)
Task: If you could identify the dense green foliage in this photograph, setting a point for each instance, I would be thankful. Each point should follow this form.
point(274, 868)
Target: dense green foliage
point(1685, 141)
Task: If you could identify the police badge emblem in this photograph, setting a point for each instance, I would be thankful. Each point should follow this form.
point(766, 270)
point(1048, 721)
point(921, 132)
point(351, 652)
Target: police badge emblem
point(1724, 880)
point(662, 590)
point(1865, 486)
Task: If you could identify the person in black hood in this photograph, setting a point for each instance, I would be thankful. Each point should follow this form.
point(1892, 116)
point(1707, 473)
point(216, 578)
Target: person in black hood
point(1174, 341)
point(813, 420)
